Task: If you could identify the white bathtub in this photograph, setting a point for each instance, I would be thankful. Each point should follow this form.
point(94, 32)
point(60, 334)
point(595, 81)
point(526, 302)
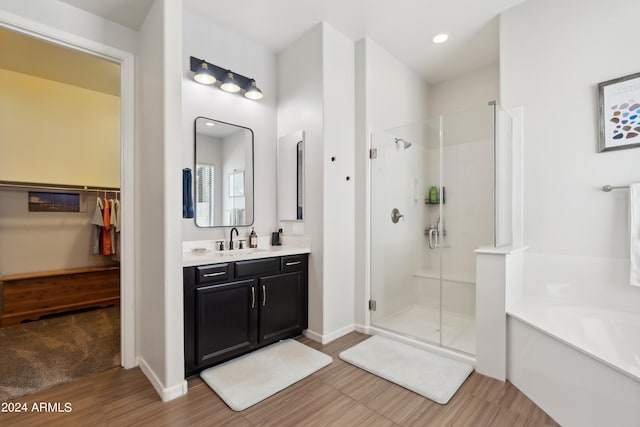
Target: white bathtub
point(577, 361)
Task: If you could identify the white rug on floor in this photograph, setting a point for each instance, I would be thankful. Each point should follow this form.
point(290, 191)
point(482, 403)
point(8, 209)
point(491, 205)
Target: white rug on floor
point(251, 378)
point(430, 375)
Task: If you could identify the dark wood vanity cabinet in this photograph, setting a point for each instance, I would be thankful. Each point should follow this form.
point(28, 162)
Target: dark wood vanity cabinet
point(233, 308)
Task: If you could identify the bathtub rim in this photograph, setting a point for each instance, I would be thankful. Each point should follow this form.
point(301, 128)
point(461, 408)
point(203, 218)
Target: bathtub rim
point(518, 312)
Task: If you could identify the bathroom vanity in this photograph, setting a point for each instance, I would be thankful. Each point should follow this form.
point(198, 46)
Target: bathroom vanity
point(238, 300)
point(241, 303)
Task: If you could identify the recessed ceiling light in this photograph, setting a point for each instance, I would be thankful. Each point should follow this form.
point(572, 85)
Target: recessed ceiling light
point(210, 124)
point(440, 38)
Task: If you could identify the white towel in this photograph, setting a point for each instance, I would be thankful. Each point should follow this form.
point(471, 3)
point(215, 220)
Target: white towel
point(634, 232)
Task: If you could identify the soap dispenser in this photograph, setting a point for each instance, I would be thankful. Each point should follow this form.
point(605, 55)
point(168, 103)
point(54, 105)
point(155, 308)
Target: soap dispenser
point(253, 239)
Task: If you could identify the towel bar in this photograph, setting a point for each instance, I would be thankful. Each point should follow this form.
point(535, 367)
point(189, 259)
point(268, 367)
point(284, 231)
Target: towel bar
point(607, 188)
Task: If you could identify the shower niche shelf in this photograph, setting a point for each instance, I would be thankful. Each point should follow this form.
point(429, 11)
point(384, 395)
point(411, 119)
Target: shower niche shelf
point(437, 202)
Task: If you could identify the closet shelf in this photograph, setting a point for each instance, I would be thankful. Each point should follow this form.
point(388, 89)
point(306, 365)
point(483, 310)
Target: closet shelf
point(46, 186)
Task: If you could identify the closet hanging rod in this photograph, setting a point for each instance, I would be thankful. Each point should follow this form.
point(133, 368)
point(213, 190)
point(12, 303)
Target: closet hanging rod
point(45, 186)
point(607, 188)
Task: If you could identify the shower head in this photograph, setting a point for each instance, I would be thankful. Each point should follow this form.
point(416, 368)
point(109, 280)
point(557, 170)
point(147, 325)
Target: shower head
point(406, 144)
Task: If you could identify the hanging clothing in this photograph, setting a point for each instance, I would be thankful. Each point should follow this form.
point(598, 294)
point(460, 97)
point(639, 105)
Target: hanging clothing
point(117, 216)
point(112, 226)
point(106, 230)
point(97, 223)
point(117, 229)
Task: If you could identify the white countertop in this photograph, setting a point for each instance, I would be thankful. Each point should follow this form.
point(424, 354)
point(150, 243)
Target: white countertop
point(206, 253)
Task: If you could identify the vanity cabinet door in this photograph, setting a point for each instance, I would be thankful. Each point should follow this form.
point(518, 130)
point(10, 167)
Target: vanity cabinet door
point(281, 314)
point(225, 321)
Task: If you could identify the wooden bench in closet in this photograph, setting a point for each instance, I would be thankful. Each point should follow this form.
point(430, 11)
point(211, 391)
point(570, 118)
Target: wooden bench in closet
point(31, 296)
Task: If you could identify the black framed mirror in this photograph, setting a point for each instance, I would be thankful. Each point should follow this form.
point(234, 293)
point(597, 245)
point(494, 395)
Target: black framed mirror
point(291, 177)
point(223, 174)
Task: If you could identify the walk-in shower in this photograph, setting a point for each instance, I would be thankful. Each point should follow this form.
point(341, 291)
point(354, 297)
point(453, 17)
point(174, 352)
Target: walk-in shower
point(431, 206)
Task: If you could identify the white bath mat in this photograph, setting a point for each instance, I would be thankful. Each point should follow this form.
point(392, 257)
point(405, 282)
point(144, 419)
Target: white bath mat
point(249, 379)
point(430, 375)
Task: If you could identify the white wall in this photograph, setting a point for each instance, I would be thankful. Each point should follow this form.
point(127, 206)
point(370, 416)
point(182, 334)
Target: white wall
point(205, 40)
point(174, 382)
point(339, 215)
point(378, 109)
point(554, 76)
point(316, 95)
point(470, 90)
point(300, 107)
point(149, 178)
point(158, 209)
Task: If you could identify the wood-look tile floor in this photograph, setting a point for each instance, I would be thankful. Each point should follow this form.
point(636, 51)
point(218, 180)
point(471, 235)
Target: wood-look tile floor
point(338, 395)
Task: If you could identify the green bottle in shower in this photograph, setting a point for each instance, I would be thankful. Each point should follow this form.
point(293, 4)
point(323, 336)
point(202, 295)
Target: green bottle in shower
point(433, 194)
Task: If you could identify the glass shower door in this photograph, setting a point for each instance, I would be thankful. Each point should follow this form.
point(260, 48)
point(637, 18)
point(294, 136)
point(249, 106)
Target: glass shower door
point(404, 294)
point(467, 158)
point(422, 251)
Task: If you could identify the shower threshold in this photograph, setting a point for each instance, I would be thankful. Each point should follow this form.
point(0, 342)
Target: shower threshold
point(422, 323)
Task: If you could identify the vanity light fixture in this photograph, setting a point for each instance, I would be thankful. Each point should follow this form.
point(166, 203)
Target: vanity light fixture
point(227, 80)
point(252, 91)
point(229, 83)
point(203, 75)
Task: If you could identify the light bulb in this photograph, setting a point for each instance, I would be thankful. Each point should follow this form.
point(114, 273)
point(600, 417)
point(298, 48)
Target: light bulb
point(229, 84)
point(252, 91)
point(204, 75)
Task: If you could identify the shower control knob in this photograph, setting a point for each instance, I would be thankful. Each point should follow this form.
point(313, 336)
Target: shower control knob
point(396, 215)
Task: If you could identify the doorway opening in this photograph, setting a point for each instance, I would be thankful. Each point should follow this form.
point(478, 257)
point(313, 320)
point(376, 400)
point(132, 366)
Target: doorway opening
point(67, 131)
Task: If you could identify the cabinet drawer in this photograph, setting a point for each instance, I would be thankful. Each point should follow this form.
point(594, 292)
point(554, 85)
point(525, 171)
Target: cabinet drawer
point(214, 273)
point(256, 267)
point(293, 263)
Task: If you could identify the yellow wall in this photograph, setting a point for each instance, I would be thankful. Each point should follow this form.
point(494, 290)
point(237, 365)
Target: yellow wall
point(56, 133)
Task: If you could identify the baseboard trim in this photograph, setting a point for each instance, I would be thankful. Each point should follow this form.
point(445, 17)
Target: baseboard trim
point(166, 394)
point(313, 336)
point(325, 339)
point(338, 333)
point(362, 329)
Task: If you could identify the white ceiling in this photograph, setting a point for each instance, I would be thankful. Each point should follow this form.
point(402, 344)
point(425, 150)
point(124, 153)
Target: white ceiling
point(403, 27)
point(130, 13)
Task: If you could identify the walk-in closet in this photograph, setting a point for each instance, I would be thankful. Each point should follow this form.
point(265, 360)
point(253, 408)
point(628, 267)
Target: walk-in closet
point(60, 214)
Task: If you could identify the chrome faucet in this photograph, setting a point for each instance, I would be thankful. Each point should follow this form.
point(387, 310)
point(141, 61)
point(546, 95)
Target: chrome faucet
point(231, 237)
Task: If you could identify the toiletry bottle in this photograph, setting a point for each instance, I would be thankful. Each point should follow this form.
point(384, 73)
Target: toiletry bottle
point(253, 239)
point(433, 195)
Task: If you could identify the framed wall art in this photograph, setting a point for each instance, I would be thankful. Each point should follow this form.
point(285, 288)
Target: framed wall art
point(40, 201)
point(619, 113)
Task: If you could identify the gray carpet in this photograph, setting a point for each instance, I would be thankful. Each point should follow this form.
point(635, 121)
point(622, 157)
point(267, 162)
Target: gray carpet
point(39, 355)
